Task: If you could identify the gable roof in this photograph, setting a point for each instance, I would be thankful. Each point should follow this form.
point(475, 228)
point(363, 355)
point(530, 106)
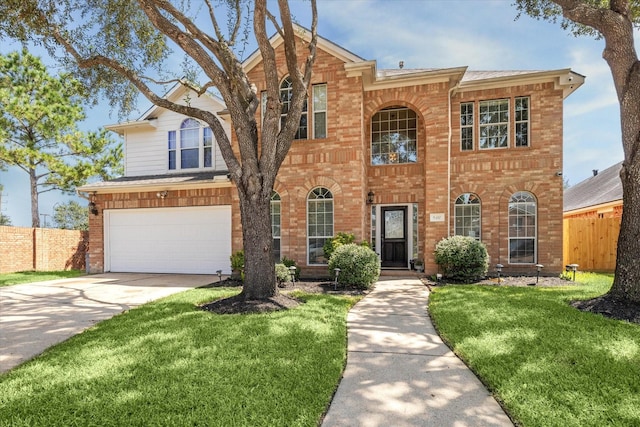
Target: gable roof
point(148, 118)
point(605, 187)
point(305, 34)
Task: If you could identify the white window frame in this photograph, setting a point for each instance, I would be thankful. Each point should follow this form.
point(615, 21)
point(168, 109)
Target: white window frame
point(463, 208)
point(285, 109)
point(494, 118)
point(518, 202)
point(385, 128)
point(319, 109)
point(467, 124)
point(323, 192)
point(522, 121)
point(178, 148)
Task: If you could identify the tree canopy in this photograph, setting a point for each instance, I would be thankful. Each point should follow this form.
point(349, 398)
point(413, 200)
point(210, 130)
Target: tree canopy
point(119, 46)
point(39, 116)
point(71, 216)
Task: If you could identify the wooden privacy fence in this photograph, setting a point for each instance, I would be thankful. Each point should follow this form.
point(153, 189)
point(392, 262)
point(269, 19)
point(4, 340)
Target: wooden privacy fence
point(41, 249)
point(591, 243)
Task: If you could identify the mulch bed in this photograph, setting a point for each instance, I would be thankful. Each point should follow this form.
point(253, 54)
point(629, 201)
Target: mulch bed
point(282, 301)
point(236, 305)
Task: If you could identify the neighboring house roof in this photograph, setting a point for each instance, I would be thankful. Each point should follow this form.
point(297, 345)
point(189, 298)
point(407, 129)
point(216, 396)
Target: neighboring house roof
point(160, 182)
point(603, 187)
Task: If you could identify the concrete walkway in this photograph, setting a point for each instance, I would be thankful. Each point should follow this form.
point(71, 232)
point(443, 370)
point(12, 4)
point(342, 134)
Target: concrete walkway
point(400, 373)
point(35, 316)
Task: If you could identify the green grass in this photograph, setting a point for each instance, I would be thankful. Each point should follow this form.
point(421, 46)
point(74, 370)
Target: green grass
point(549, 364)
point(36, 276)
point(169, 363)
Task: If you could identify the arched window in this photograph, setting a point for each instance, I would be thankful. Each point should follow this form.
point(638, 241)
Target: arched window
point(192, 147)
point(319, 223)
point(522, 228)
point(286, 93)
point(189, 144)
point(394, 136)
point(276, 224)
point(467, 216)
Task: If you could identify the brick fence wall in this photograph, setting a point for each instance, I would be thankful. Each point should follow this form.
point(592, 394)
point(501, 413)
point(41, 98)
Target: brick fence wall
point(41, 249)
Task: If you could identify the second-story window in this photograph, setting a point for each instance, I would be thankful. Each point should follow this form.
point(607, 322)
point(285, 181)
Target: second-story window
point(286, 93)
point(394, 133)
point(190, 148)
point(466, 126)
point(494, 124)
point(522, 122)
point(319, 111)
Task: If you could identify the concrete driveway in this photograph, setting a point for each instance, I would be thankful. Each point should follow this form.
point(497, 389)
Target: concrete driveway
point(35, 316)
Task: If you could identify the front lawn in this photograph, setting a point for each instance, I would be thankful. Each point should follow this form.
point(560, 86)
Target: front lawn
point(170, 363)
point(549, 363)
point(36, 276)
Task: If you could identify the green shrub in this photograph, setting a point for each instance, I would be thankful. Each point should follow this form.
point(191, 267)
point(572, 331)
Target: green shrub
point(359, 265)
point(237, 264)
point(282, 273)
point(288, 262)
point(462, 258)
point(339, 240)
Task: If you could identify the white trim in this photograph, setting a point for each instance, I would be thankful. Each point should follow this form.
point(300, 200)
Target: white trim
point(409, 236)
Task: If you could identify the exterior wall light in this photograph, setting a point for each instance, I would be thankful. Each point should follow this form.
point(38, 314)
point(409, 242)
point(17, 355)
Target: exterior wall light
point(162, 194)
point(92, 208)
point(370, 196)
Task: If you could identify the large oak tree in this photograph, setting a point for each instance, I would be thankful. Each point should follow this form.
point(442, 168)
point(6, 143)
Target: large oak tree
point(614, 21)
point(120, 45)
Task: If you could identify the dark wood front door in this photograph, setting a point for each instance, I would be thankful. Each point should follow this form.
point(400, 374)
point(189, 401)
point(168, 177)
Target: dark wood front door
point(394, 236)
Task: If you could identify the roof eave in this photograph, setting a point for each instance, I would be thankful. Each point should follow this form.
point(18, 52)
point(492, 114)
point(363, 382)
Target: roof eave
point(565, 79)
point(371, 80)
point(219, 181)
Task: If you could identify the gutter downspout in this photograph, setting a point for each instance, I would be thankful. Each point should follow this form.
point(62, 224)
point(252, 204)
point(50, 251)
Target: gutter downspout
point(451, 91)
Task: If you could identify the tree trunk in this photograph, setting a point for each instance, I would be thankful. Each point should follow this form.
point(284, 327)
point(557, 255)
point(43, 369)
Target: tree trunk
point(33, 181)
point(259, 271)
point(626, 285)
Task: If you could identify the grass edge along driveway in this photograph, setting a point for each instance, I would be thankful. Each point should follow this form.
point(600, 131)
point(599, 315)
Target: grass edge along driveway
point(169, 363)
point(548, 363)
point(21, 277)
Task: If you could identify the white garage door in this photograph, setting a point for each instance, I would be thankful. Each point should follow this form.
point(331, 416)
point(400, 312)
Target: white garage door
point(195, 240)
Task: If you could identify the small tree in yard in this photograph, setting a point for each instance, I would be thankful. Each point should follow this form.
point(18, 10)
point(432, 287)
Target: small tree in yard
point(38, 129)
point(462, 258)
point(122, 45)
point(614, 21)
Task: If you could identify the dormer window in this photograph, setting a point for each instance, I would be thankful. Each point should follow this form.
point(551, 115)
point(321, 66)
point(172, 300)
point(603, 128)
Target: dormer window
point(192, 147)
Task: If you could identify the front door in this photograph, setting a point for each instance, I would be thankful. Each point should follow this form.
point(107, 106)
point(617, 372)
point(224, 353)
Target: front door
point(394, 236)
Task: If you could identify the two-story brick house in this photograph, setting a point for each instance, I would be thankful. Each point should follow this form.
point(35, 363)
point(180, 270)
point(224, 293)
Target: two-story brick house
point(401, 158)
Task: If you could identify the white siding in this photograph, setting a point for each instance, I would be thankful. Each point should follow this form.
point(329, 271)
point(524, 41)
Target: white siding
point(146, 151)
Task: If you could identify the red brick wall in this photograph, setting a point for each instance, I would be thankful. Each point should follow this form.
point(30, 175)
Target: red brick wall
point(41, 249)
point(341, 162)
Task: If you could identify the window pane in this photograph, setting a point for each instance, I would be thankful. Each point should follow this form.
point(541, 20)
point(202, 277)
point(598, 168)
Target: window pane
point(467, 216)
point(319, 223)
point(320, 125)
point(189, 159)
point(172, 140)
point(172, 160)
point(522, 228)
point(394, 136)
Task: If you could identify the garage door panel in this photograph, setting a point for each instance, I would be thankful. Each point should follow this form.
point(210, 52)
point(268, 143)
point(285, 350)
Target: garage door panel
point(168, 240)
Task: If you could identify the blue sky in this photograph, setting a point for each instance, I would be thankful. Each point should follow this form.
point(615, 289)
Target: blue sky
point(480, 34)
